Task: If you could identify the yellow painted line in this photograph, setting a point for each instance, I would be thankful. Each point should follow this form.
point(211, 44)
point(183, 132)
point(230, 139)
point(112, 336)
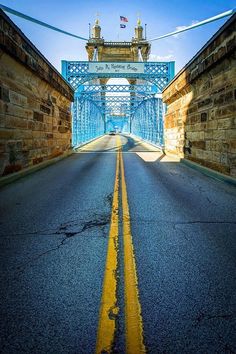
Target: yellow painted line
point(108, 306)
point(133, 317)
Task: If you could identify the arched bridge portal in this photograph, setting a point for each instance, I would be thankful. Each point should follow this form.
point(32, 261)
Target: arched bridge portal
point(99, 106)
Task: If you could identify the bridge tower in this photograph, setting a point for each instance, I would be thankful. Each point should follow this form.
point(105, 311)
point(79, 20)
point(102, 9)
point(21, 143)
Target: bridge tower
point(138, 49)
point(136, 106)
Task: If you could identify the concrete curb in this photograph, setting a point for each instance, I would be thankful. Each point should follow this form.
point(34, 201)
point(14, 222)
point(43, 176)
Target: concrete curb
point(17, 175)
point(75, 148)
point(210, 173)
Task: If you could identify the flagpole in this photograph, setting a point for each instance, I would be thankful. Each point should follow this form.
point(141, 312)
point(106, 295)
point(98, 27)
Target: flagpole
point(118, 29)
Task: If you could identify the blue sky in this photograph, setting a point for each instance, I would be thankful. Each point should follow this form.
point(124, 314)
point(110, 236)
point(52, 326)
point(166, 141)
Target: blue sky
point(161, 17)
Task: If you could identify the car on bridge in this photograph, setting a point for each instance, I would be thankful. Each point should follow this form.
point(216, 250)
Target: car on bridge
point(112, 132)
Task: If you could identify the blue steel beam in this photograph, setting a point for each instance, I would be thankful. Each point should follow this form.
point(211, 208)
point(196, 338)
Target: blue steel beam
point(158, 73)
point(142, 89)
point(117, 103)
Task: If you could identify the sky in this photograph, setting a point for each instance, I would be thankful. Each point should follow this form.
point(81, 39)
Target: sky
point(161, 17)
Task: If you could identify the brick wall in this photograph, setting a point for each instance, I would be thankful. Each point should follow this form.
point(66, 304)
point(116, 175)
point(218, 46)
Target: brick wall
point(200, 124)
point(35, 118)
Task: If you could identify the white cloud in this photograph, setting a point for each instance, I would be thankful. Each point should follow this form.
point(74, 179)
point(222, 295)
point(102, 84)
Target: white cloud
point(178, 28)
point(155, 57)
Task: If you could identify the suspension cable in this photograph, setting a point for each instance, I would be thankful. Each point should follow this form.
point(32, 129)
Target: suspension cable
point(187, 28)
point(28, 18)
point(198, 24)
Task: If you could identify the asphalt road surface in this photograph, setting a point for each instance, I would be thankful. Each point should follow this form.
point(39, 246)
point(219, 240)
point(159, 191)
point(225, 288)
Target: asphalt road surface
point(118, 249)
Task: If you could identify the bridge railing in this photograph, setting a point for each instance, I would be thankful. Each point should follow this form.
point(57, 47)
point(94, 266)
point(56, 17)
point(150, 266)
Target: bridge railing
point(88, 121)
point(147, 121)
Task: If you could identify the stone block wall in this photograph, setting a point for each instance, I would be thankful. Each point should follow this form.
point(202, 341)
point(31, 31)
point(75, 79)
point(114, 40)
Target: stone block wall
point(35, 117)
point(200, 124)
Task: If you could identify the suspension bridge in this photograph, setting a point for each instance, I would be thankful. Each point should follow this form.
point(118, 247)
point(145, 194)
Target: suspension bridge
point(141, 109)
point(114, 237)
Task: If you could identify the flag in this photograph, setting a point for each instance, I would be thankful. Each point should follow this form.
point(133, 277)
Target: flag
point(122, 26)
point(123, 19)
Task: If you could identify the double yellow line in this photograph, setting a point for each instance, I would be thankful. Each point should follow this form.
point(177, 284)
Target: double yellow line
point(109, 302)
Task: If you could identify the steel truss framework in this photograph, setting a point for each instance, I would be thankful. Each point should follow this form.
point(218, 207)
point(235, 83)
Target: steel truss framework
point(115, 104)
point(88, 122)
point(158, 73)
point(133, 108)
point(138, 89)
point(117, 122)
point(147, 121)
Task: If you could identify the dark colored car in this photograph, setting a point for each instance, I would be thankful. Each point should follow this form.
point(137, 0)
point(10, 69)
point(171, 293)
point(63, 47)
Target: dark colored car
point(112, 132)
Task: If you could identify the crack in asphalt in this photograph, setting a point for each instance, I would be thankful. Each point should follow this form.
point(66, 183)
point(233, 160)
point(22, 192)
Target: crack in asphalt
point(182, 231)
point(109, 199)
point(189, 181)
point(86, 225)
point(89, 224)
point(226, 347)
point(100, 222)
point(64, 226)
point(204, 222)
point(155, 221)
point(202, 317)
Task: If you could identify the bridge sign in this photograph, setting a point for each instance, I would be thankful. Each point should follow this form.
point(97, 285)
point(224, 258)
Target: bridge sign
point(113, 68)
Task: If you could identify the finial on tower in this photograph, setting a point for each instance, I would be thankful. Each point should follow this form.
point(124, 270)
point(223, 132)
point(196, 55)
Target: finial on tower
point(96, 33)
point(138, 20)
point(97, 19)
point(138, 29)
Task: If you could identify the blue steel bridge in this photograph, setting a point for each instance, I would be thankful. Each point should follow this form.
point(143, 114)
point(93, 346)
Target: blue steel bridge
point(117, 248)
point(135, 107)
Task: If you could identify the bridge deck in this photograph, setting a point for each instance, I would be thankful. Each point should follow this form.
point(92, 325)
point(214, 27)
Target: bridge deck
point(53, 253)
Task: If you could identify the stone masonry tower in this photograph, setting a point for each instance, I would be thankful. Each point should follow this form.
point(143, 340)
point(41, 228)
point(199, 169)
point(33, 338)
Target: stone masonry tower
point(136, 50)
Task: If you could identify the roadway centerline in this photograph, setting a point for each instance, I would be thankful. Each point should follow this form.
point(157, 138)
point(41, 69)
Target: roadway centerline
point(109, 302)
point(133, 317)
point(108, 307)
